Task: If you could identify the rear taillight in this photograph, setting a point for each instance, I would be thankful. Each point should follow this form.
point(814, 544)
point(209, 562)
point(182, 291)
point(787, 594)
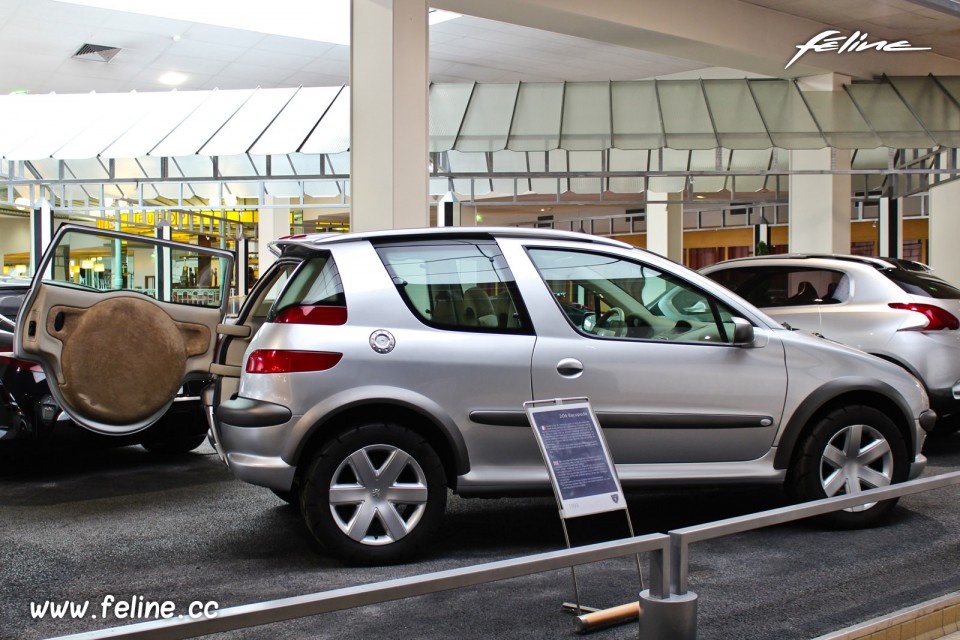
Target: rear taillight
point(937, 318)
point(283, 361)
point(328, 315)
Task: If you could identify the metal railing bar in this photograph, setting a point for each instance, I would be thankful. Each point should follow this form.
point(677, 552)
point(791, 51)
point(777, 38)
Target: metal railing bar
point(682, 538)
point(250, 615)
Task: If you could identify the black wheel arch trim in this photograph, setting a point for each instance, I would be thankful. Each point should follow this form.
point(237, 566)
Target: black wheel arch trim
point(246, 412)
point(829, 392)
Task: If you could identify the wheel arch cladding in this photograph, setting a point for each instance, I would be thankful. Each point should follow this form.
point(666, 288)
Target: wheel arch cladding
point(836, 393)
point(450, 449)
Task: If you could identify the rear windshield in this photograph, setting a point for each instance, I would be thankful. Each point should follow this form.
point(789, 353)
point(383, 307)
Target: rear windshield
point(918, 283)
point(315, 283)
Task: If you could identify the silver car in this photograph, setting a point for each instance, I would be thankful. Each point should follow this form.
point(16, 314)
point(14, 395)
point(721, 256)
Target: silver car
point(368, 373)
point(894, 309)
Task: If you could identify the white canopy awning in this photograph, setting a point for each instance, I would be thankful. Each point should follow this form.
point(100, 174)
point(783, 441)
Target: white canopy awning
point(747, 114)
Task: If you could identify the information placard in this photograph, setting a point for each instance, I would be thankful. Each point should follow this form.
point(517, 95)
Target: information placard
point(577, 458)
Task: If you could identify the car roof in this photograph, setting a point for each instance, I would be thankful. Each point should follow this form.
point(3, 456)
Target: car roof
point(873, 261)
point(318, 240)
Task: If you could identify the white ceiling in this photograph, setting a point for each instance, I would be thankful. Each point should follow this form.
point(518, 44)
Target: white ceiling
point(38, 38)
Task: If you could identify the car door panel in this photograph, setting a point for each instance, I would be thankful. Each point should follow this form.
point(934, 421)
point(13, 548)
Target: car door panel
point(668, 399)
point(94, 337)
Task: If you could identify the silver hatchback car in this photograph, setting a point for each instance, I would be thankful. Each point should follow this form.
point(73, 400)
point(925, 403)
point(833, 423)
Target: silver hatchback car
point(894, 309)
point(368, 373)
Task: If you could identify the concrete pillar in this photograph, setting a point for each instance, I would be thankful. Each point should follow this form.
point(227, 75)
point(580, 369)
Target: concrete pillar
point(820, 203)
point(944, 231)
point(273, 224)
point(665, 224)
point(41, 233)
point(243, 261)
point(389, 150)
point(164, 266)
point(891, 228)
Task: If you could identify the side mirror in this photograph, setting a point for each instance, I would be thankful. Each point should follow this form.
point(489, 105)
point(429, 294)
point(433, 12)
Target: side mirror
point(742, 333)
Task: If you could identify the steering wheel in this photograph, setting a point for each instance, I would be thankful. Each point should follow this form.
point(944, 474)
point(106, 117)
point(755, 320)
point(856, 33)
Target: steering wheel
point(607, 316)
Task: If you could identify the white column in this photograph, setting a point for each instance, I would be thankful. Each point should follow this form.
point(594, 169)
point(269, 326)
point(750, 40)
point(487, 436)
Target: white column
point(891, 228)
point(388, 129)
point(665, 224)
point(273, 223)
point(820, 203)
point(944, 231)
point(41, 233)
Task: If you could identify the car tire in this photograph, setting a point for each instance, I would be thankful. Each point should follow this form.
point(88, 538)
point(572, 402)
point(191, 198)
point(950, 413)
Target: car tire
point(177, 444)
point(849, 450)
point(291, 497)
point(374, 495)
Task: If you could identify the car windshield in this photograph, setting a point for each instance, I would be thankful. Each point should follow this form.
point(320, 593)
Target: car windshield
point(922, 284)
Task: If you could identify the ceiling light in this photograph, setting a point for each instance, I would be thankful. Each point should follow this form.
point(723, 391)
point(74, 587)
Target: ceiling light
point(173, 78)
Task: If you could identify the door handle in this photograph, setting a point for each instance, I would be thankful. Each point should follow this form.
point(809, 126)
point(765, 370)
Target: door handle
point(570, 367)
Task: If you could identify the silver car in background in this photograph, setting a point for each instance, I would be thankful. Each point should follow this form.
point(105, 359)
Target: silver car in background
point(893, 309)
point(367, 374)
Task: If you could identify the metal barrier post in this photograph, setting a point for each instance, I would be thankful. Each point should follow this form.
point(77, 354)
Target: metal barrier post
point(665, 613)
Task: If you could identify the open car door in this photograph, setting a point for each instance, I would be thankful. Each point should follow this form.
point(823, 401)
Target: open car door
point(119, 322)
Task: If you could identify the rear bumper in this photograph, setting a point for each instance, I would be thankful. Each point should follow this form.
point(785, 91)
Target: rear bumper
point(250, 437)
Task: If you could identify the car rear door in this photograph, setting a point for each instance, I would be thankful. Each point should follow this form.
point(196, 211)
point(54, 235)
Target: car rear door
point(119, 322)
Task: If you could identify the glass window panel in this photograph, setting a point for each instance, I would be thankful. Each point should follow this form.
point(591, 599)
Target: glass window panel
point(192, 166)
point(735, 115)
point(448, 104)
point(786, 115)
point(246, 125)
point(322, 188)
point(686, 121)
point(126, 109)
point(636, 115)
point(536, 121)
point(339, 163)
point(586, 117)
point(628, 160)
point(486, 124)
point(457, 285)
point(294, 123)
point(166, 111)
point(104, 263)
point(332, 134)
point(841, 122)
point(706, 160)
point(888, 115)
point(608, 297)
point(202, 123)
point(934, 106)
point(38, 124)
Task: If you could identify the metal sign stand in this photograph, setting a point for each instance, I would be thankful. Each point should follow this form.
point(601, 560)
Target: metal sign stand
point(583, 477)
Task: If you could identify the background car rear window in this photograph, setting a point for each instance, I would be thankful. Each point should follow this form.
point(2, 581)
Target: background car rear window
point(921, 284)
point(461, 285)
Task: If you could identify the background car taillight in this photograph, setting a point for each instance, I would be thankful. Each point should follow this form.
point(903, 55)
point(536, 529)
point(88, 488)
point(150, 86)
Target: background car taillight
point(284, 361)
point(937, 318)
point(10, 361)
point(326, 314)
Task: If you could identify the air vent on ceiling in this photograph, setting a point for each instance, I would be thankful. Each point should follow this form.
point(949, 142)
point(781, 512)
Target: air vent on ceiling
point(96, 52)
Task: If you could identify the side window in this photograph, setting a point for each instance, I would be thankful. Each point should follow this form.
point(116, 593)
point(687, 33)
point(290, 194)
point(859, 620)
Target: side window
point(85, 260)
point(460, 285)
point(605, 296)
point(786, 286)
